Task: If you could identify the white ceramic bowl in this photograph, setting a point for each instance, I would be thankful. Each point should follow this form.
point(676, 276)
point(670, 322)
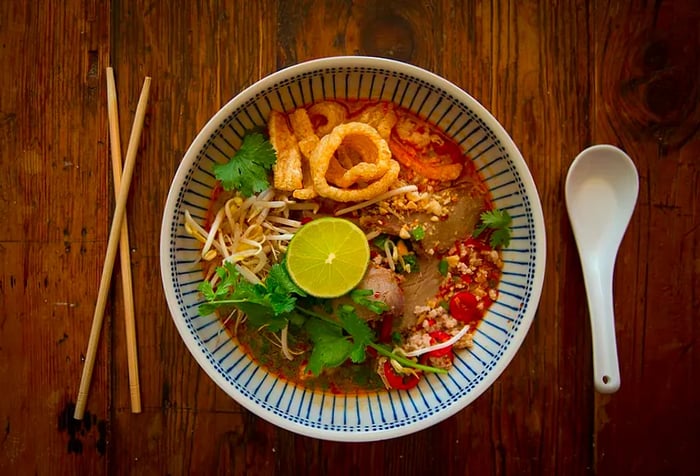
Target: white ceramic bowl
point(383, 414)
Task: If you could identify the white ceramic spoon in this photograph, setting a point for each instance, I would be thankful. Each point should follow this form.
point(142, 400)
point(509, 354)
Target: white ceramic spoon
point(601, 192)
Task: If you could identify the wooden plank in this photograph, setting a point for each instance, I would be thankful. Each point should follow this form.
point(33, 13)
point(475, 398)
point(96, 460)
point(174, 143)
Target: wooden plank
point(55, 199)
point(200, 54)
point(647, 103)
point(558, 76)
point(511, 57)
point(542, 413)
point(41, 355)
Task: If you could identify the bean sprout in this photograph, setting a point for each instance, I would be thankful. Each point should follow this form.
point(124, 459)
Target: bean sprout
point(379, 198)
point(442, 345)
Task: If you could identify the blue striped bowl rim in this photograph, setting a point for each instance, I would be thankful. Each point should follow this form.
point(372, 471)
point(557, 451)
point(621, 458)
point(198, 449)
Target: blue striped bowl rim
point(378, 415)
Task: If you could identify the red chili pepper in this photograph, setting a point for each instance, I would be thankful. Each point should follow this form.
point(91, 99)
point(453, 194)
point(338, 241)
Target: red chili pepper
point(463, 307)
point(397, 381)
point(440, 336)
point(386, 328)
point(215, 193)
point(478, 243)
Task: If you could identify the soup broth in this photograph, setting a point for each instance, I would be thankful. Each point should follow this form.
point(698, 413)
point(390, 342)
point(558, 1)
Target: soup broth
point(435, 261)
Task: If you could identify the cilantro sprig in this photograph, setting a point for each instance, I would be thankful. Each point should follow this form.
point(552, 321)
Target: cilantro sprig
point(345, 336)
point(498, 222)
point(269, 304)
point(337, 341)
point(337, 337)
point(249, 168)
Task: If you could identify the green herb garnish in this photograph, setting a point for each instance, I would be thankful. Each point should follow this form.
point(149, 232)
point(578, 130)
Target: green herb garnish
point(498, 221)
point(380, 240)
point(362, 297)
point(274, 304)
point(443, 267)
point(418, 233)
point(410, 264)
point(248, 169)
point(266, 304)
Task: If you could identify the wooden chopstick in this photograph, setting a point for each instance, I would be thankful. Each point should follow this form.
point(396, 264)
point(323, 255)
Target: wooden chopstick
point(125, 259)
point(112, 246)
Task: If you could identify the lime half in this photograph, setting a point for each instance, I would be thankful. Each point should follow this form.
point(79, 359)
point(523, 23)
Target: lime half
point(328, 257)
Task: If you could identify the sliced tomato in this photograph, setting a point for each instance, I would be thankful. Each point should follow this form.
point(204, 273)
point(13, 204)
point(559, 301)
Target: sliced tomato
point(398, 381)
point(440, 336)
point(463, 307)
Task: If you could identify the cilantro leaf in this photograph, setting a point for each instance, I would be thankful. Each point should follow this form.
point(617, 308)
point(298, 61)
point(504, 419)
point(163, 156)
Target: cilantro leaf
point(337, 341)
point(380, 240)
point(331, 348)
point(410, 264)
point(500, 237)
point(358, 329)
point(248, 169)
point(328, 352)
point(331, 344)
point(319, 329)
point(262, 316)
point(279, 281)
point(498, 221)
point(264, 306)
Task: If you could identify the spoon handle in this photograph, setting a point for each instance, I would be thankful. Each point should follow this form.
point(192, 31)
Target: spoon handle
point(598, 278)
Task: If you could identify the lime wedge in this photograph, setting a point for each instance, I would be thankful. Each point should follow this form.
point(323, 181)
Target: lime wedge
point(328, 257)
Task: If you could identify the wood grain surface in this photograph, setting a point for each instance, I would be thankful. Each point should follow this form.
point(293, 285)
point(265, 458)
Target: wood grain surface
point(558, 75)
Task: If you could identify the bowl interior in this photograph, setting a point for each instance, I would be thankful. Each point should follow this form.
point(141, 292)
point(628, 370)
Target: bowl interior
point(376, 415)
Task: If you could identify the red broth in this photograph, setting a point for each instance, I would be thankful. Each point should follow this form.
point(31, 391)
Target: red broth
point(411, 139)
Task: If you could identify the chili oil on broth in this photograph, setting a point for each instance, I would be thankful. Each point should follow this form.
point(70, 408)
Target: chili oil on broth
point(463, 199)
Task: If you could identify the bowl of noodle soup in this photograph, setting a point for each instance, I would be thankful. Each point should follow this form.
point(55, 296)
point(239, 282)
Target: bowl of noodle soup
point(432, 180)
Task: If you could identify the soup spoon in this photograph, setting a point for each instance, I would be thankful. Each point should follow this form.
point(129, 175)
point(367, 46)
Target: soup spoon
point(601, 192)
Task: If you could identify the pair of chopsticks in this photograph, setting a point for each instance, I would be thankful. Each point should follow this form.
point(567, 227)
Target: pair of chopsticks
point(118, 238)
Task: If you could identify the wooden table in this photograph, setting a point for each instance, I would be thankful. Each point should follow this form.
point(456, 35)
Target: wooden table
point(559, 76)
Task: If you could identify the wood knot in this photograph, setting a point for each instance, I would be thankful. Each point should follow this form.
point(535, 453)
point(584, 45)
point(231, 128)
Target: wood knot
point(655, 56)
point(389, 36)
point(658, 91)
point(663, 96)
point(666, 85)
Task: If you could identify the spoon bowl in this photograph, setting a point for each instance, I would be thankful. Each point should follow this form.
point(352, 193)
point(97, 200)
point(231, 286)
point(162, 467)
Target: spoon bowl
point(601, 192)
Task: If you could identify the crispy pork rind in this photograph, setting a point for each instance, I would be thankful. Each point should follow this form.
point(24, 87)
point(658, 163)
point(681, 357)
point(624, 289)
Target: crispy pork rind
point(367, 154)
point(380, 116)
point(287, 170)
point(307, 191)
point(307, 140)
point(331, 114)
point(304, 131)
point(371, 176)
